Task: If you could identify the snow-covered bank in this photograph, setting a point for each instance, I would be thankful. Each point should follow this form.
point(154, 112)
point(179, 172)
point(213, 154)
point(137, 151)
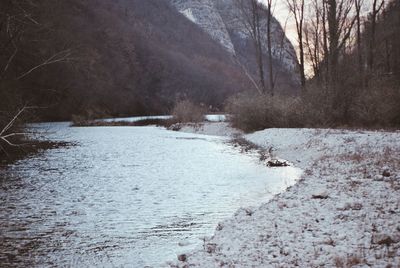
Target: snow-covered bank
point(345, 211)
point(207, 128)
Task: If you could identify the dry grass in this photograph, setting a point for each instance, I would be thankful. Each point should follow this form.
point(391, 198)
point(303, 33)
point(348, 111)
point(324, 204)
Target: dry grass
point(349, 261)
point(187, 112)
point(251, 113)
point(374, 108)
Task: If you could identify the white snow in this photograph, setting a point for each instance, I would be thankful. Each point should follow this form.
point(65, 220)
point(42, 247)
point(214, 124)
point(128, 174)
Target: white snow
point(134, 118)
point(208, 117)
point(189, 14)
point(343, 213)
point(213, 129)
point(215, 117)
point(206, 16)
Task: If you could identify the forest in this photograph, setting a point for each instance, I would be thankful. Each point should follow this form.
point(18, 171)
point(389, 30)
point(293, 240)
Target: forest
point(353, 52)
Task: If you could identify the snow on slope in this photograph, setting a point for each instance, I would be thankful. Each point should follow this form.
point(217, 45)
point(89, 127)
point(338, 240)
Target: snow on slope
point(204, 14)
point(221, 20)
point(189, 14)
point(344, 213)
point(282, 49)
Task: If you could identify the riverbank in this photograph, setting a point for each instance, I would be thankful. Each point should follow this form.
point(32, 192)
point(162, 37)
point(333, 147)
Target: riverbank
point(344, 212)
point(11, 154)
point(207, 128)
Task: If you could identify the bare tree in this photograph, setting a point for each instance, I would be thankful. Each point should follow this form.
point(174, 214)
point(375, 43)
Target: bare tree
point(21, 35)
point(269, 48)
point(296, 7)
point(253, 15)
point(313, 36)
point(250, 19)
point(358, 6)
point(6, 132)
point(340, 25)
point(61, 56)
point(248, 74)
point(376, 8)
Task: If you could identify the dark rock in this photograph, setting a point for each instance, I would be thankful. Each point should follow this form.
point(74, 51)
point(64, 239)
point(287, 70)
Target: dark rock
point(249, 212)
point(175, 127)
point(277, 163)
point(386, 173)
point(210, 248)
point(352, 206)
point(382, 239)
point(182, 257)
point(321, 194)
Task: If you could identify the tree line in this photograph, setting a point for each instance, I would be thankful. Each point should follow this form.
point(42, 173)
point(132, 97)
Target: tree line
point(353, 47)
point(349, 66)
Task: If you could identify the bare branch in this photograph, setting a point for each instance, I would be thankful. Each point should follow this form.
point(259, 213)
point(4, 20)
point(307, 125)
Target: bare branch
point(11, 123)
point(14, 134)
point(61, 56)
point(247, 73)
point(10, 59)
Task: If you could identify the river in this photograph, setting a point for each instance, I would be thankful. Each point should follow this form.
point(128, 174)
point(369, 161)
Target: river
point(125, 196)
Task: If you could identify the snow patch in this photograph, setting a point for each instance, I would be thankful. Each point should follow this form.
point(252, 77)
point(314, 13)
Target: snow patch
point(212, 129)
point(188, 13)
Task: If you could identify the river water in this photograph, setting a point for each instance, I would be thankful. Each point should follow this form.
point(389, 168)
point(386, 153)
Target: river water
point(125, 196)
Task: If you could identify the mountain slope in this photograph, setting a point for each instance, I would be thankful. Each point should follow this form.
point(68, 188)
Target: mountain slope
point(144, 55)
point(223, 21)
point(127, 56)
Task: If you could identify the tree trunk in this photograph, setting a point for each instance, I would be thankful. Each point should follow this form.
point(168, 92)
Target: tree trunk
point(371, 49)
point(258, 43)
point(269, 45)
point(358, 4)
point(333, 30)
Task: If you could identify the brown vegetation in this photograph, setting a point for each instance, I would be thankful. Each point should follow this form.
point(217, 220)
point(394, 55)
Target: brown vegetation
point(187, 112)
point(256, 112)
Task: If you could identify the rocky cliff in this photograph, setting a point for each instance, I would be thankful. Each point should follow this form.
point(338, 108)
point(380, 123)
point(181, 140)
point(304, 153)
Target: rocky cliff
point(223, 21)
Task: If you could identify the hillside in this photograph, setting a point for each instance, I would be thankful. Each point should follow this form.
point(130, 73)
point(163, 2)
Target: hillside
point(124, 57)
point(223, 21)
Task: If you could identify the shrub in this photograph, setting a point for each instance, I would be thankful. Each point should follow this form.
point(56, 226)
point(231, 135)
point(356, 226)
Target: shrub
point(88, 117)
point(378, 106)
point(256, 112)
point(79, 120)
point(375, 106)
point(185, 112)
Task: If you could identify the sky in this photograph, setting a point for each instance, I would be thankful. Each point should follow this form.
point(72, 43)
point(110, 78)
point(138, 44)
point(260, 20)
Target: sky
point(282, 14)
